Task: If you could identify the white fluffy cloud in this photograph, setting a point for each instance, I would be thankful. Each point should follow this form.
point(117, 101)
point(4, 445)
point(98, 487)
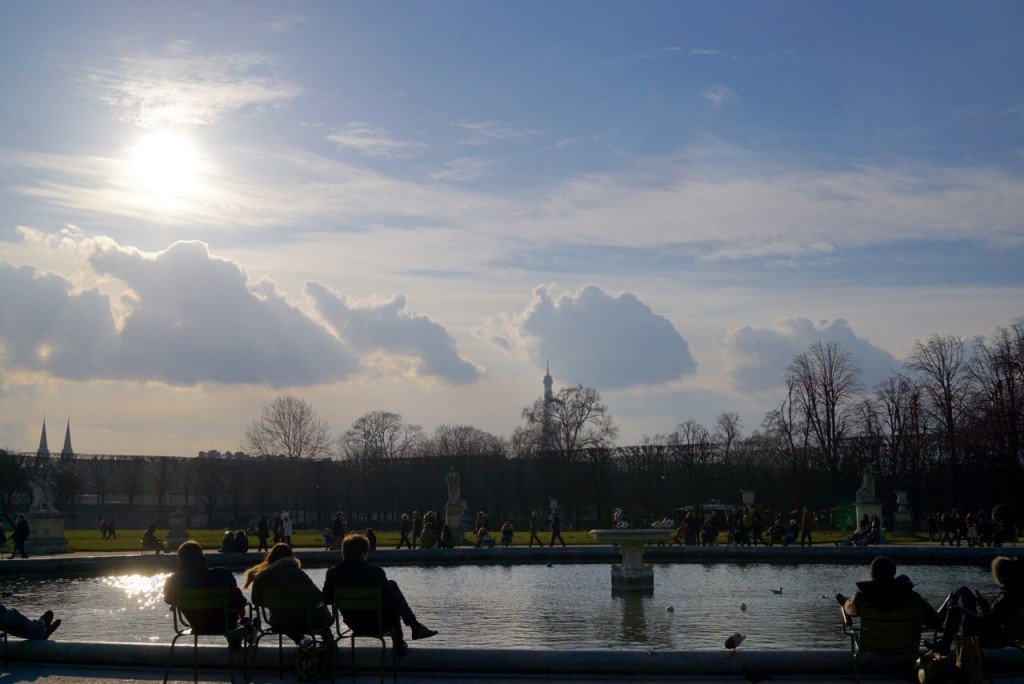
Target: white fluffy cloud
point(760, 354)
point(192, 317)
point(601, 340)
point(373, 327)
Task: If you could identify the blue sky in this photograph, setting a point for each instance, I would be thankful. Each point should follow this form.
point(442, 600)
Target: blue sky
point(413, 206)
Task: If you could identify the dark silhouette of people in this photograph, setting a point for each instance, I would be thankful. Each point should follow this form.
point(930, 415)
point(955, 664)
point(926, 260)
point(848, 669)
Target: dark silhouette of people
point(263, 532)
point(151, 541)
point(354, 572)
point(19, 535)
point(338, 529)
point(280, 569)
point(16, 624)
point(885, 592)
point(193, 573)
point(556, 529)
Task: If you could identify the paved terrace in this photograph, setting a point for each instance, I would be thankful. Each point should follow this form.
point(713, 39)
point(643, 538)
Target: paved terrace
point(61, 661)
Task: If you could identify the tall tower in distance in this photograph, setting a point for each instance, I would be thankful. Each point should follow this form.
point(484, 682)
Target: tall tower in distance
point(547, 437)
point(43, 449)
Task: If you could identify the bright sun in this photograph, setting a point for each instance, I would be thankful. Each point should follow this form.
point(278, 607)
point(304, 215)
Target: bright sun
point(166, 165)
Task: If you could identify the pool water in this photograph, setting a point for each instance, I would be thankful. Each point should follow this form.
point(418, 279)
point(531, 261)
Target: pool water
point(534, 606)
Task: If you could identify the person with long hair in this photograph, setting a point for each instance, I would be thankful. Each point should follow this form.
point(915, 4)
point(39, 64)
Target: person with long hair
point(280, 569)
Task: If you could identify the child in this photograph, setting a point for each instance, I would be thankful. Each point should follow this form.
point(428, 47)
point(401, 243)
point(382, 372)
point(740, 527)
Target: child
point(328, 539)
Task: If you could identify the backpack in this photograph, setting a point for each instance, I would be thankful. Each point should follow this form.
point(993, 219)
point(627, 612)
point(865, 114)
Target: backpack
point(311, 661)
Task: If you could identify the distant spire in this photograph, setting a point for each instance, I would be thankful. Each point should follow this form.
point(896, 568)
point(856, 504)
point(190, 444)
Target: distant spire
point(43, 450)
point(67, 451)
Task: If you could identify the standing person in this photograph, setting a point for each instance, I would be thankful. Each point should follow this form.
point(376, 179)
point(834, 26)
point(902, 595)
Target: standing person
point(193, 573)
point(556, 528)
point(278, 529)
point(19, 536)
point(806, 525)
point(353, 572)
point(103, 529)
point(404, 532)
point(111, 529)
point(372, 538)
point(286, 527)
point(507, 533)
point(262, 532)
point(338, 530)
point(533, 530)
point(417, 528)
point(932, 527)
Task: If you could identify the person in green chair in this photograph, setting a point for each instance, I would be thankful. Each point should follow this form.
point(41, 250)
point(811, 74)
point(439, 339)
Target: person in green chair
point(990, 621)
point(193, 573)
point(884, 592)
point(280, 569)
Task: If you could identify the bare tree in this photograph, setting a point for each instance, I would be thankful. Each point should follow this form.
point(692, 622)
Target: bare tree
point(288, 426)
point(381, 435)
point(14, 475)
point(68, 480)
point(130, 472)
point(161, 473)
point(100, 471)
point(939, 363)
point(464, 440)
point(578, 420)
point(727, 431)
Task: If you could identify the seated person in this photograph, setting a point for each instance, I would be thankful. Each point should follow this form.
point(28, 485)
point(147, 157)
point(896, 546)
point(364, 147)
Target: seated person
point(741, 537)
point(792, 532)
point(241, 542)
point(151, 541)
point(447, 540)
point(227, 542)
point(280, 569)
point(193, 573)
point(16, 624)
point(428, 539)
point(708, 533)
point(483, 538)
point(353, 572)
point(884, 592)
point(980, 618)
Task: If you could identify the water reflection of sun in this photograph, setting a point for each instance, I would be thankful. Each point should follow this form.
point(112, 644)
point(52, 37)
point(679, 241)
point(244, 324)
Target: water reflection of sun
point(145, 590)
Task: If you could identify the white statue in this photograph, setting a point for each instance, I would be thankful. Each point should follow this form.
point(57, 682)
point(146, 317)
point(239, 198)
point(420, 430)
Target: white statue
point(42, 500)
point(866, 493)
point(454, 483)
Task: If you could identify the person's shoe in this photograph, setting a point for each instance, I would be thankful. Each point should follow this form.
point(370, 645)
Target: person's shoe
point(47, 617)
point(420, 631)
point(840, 598)
point(401, 649)
point(51, 628)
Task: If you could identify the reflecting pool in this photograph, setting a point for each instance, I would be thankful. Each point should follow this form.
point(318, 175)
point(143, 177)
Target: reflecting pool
point(533, 606)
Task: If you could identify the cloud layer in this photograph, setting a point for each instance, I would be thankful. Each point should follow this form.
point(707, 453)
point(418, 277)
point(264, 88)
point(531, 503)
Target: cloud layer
point(760, 354)
point(601, 340)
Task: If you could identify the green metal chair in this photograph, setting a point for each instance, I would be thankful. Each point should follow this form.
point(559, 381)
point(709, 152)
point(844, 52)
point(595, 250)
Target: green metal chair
point(209, 599)
point(369, 601)
point(884, 632)
point(270, 599)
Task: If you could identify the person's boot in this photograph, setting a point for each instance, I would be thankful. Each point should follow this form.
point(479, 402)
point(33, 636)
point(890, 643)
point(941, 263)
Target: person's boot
point(51, 628)
point(421, 631)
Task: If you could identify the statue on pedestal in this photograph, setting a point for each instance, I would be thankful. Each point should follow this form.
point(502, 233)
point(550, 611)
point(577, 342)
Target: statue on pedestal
point(454, 483)
point(866, 493)
point(42, 499)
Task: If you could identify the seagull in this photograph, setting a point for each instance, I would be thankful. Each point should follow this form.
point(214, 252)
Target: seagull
point(670, 609)
point(776, 591)
point(753, 676)
point(743, 607)
point(733, 642)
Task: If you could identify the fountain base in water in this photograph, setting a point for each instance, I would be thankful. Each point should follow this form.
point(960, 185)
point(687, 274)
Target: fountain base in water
point(632, 574)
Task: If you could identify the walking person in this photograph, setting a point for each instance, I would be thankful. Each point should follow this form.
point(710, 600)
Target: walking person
point(806, 525)
point(19, 536)
point(404, 532)
point(263, 532)
point(286, 525)
point(556, 529)
point(338, 530)
point(111, 529)
point(533, 530)
point(417, 528)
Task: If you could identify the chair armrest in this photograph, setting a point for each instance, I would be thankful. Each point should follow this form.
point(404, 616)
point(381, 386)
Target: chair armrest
point(847, 620)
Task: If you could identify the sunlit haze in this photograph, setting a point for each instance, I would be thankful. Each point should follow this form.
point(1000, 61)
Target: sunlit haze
point(416, 206)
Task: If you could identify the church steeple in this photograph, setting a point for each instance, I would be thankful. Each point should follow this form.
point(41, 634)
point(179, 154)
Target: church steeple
point(67, 451)
point(43, 450)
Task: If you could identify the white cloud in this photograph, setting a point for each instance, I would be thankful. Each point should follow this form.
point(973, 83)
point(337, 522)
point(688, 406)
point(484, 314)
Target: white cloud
point(370, 327)
point(719, 95)
point(372, 141)
point(184, 89)
point(191, 318)
point(462, 170)
point(486, 132)
point(760, 354)
point(599, 340)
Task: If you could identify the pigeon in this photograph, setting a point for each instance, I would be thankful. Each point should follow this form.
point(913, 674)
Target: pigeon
point(753, 676)
point(733, 642)
point(776, 591)
point(670, 609)
point(743, 607)
point(551, 565)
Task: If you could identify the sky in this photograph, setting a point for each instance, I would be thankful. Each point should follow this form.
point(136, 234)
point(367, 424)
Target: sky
point(414, 207)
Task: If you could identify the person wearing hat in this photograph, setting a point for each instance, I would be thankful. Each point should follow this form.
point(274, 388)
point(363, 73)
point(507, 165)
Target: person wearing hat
point(884, 591)
point(990, 621)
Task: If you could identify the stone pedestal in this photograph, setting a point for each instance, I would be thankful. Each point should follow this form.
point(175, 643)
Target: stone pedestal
point(177, 532)
point(903, 523)
point(46, 532)
point(632, 574)
point(871, 509)
point(748, 496)
point(455, 517)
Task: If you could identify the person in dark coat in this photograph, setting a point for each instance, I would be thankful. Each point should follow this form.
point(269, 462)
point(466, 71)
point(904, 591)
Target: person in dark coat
point(338, 530)
point(885, 592)
point(417, 528)
point(979, 617)
point(354, 572)
point(241, 542)
point(371, 537)
point(404, 532)
point(193, 573)
point(19, 536)
point(263, 532)
point(280, 569)
point(556, 528)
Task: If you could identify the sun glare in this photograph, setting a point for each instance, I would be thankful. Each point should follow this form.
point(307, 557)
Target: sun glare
point(166, 165)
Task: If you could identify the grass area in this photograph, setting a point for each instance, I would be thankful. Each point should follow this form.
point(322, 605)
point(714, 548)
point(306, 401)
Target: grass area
point(128, 540)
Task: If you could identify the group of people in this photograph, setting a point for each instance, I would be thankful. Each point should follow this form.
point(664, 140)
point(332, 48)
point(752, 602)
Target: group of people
point(974, 528)
point(280, 569)
point(964, 611)
point(747, 527)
